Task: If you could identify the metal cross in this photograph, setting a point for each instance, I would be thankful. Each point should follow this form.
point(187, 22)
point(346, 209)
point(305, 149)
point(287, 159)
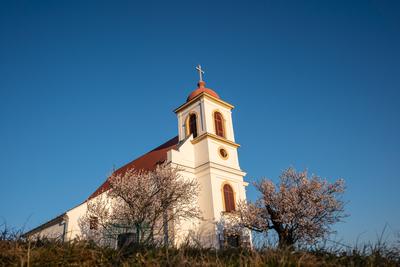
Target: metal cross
point(201, 72)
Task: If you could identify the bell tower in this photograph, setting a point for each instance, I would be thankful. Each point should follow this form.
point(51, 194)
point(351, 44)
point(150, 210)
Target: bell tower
point(208, 152)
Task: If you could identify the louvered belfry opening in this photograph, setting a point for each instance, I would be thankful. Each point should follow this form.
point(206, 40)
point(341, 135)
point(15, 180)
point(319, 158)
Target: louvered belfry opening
point(193, 125)
point(219, 124)
point(229, 198)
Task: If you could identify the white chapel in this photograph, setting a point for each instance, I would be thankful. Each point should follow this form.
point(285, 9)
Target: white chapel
point(205, 149)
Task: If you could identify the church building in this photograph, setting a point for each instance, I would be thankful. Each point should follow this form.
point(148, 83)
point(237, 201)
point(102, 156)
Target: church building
point(205, 149)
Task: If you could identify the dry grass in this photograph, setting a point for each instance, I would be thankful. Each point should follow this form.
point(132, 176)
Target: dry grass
point(14, 251)
point(81, 253)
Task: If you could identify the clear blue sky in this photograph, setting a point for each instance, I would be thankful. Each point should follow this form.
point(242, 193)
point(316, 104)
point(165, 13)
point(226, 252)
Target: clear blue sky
point(88, 85)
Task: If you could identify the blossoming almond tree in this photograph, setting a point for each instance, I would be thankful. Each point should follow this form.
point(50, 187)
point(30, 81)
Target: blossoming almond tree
point(300, 209)
point(144, 203)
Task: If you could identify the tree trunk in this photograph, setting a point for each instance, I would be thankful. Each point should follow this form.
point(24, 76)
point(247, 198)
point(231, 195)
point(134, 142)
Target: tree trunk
point(285, 240)
point(165, 228)
point(137, 233)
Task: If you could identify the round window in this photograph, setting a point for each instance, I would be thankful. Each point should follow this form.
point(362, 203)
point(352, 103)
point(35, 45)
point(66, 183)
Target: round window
point(223, 153)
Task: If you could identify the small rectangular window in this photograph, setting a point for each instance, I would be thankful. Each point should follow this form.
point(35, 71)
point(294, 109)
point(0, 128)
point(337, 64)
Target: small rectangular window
point(126, 240)
point(93, 223)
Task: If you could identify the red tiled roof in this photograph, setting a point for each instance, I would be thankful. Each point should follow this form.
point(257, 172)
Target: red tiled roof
point(146, 162)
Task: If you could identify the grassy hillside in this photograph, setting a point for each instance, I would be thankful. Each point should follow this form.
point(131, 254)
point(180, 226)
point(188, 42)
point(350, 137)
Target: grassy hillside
point(81, 253)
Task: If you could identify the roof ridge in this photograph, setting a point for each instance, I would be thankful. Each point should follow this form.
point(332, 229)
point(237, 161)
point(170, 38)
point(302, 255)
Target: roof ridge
point(147, 161)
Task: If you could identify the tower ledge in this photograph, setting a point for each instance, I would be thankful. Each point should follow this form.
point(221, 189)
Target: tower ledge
point(208, 96)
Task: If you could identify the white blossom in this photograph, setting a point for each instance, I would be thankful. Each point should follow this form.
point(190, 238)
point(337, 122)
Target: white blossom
point(300, 209)
point(145, 203)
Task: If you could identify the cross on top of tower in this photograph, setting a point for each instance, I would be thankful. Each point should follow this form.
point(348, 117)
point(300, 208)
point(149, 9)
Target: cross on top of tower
point(201, 72)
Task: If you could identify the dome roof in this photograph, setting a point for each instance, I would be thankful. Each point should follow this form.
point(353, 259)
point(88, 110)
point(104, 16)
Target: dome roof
point(200, 89)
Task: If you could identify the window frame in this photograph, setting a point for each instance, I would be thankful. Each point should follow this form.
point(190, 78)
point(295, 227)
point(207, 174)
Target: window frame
point(224, 198)
point(187, 123)
point(223, 128)
point(220, 155)
point(93, 223)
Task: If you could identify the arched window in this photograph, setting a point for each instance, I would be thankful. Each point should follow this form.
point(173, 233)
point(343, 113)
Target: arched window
point(193, 125)
point(229, 198)
point(219, 124)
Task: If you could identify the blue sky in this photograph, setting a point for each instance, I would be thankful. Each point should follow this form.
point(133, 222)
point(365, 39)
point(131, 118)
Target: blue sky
point(89, 85)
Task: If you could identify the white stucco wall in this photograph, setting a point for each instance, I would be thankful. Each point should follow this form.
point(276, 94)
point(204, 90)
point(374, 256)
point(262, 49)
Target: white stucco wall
point(54, 231)
point(196, 108)
point(209, 108)
point(74, 214)
point(204, 108)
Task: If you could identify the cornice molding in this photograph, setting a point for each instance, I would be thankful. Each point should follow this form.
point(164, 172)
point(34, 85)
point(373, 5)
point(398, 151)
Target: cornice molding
point(207, 96)
point(214, 137)
point(209, 166)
